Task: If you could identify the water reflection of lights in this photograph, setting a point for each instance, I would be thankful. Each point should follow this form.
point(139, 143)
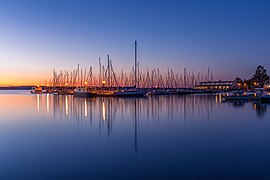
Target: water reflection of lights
point(48, 103)
point(220, 98)
point(108, 109)
point(38, 106)
point(66, 102)
point(103, 111)
point(254, 106)
point(85, 109)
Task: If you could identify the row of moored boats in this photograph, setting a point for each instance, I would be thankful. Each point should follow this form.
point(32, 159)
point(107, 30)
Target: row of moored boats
point(126, 91)
point(258, 94)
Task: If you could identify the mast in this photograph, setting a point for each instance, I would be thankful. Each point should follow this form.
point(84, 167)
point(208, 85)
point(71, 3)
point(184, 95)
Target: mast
point(100, 78)
point(78, 72)
point(135, 63)
point(109, 71)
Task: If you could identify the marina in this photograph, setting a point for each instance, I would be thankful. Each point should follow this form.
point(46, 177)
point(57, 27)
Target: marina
point(134, 90)
point(137, 83)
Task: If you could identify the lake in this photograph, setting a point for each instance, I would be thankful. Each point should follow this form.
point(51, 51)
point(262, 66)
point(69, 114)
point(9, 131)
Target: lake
point(160, 137)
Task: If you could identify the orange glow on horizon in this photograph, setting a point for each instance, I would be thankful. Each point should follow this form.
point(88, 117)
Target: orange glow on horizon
point(23, 80)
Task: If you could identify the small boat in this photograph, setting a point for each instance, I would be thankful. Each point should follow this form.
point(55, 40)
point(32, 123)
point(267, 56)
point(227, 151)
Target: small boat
point(158, 92)
point(36, 90)
point(84, 92)
point(185, 91)
point(237, 96)
point(209, 91)
point(131, 93)
point(107, 93)
point(265, 98)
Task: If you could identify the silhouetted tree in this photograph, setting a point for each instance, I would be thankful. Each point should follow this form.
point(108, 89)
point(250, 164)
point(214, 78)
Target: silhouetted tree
point(248, 83)
point(238, 80)
point(260, 76)
point(238, 83)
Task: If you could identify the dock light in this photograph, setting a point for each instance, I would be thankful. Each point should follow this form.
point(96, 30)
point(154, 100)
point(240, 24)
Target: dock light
point(85, 82)
point(103, 82)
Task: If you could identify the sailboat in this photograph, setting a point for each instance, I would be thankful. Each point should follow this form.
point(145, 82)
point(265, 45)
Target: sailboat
point(36, 90)
point(83, 91)
point(132, 92)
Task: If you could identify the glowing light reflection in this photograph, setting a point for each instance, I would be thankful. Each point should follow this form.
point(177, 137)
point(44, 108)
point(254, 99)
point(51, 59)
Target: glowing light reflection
point(103, 111)
point(220, 98)
point(66, 105)
point(85, 108)
point(38, 102)
point(48, 103)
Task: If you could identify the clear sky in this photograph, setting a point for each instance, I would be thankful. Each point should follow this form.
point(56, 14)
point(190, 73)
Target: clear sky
point(230, 37)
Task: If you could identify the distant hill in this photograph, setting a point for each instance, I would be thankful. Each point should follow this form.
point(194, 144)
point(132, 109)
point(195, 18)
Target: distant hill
point(15, 87)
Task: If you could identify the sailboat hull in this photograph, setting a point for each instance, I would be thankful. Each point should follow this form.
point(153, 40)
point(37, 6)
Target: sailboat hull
point(130, 93)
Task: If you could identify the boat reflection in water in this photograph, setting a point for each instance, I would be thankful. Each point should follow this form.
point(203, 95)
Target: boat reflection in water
point(108, 108)
point(103, 112)
point(153, 108)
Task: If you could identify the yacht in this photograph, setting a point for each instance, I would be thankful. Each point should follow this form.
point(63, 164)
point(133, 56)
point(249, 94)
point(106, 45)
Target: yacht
point(84, 92)
point(36, 90)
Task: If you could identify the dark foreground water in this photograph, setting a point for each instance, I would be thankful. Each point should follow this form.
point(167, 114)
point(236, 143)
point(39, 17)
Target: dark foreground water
point(162, 137)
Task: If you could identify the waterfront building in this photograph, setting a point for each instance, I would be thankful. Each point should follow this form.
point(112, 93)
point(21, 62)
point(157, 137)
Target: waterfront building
point(217, 85)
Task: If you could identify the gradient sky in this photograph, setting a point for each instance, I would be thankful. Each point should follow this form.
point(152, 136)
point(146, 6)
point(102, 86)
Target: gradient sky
point(230, 37)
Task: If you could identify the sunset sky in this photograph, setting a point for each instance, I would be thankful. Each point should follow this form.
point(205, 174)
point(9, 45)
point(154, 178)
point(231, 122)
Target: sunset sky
point(230, 37)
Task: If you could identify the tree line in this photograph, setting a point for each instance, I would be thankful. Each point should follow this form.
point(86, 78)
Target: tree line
point(258, 80)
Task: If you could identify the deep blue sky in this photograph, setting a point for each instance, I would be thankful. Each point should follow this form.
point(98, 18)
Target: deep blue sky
point(230, 37)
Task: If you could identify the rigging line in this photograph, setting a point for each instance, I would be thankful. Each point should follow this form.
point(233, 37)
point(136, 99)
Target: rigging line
point(129, 59)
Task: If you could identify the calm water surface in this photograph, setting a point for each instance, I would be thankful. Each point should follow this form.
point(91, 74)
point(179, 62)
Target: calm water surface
point(163, 137)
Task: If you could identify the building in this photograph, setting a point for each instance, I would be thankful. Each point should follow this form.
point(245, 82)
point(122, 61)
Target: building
point(215, 85)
